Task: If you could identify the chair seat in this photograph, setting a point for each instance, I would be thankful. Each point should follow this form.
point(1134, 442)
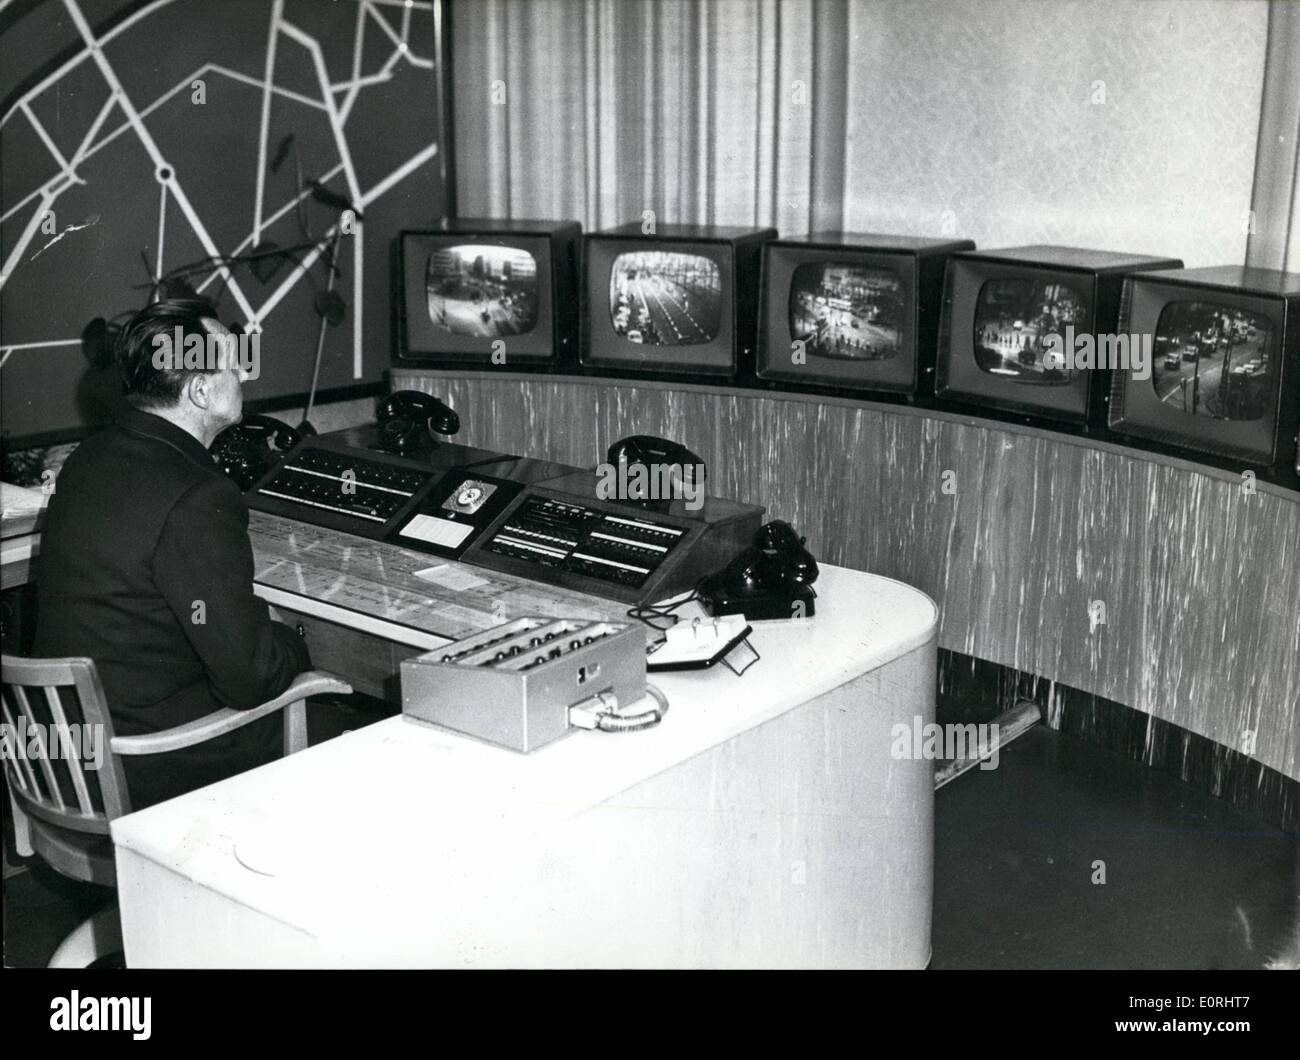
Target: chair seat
point(81, 856)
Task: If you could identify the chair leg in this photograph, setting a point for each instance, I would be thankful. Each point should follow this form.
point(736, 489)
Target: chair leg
point(90, 940)
point(22, 829)
point(295, 727)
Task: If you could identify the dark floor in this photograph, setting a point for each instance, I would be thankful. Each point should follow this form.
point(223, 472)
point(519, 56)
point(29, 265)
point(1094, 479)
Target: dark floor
point(1190, 882)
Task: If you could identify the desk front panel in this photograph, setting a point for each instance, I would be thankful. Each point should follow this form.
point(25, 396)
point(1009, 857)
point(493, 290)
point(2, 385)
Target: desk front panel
point(369, 663)
point(766, 822)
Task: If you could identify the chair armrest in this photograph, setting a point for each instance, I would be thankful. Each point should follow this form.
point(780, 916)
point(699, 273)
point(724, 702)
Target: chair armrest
point(220, 722)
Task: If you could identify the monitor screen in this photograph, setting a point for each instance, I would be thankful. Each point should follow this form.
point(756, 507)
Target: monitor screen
point(482, 290)
point(660, 305)
point(1216, 378)
point(665, 298)
point(1015, 318)
point(467, 297)
point(1213, 360)
point(846, 312)
point(839, 317)
point(1004, 328)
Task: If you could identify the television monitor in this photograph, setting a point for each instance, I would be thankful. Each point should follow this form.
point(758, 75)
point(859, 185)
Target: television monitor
point(1033, 329)
point(489, 292)
point(679, 301)
point(1226, 378)
point(860, 312)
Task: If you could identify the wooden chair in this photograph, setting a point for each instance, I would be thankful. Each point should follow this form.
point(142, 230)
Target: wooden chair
point(62, 810)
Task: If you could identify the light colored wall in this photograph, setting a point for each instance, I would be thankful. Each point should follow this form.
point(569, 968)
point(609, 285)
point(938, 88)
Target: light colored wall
point(929, 117)
point(985, 109)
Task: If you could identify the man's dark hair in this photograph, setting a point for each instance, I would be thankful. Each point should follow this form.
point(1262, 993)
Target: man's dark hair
point(143, 383)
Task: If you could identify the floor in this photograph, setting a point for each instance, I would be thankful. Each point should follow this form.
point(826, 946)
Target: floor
point(1020, 853)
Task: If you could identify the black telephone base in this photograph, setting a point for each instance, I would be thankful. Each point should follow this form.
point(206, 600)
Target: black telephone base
point(798, 602)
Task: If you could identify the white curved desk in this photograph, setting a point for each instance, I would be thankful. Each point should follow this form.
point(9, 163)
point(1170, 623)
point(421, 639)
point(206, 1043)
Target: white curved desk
point(763, 824)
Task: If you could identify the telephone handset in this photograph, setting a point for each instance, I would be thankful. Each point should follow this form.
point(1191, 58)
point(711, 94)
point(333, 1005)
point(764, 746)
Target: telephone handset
point(408, 418)
point(773, 579)
point(649, 451)
point(784, 553)
point(249, 449)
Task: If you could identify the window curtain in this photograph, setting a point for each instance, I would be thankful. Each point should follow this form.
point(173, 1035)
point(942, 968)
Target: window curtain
point(1149, 127)
point(727, 112)
point(1275, 205)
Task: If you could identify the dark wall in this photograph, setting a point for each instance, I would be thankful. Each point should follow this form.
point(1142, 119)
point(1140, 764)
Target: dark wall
point(89, 258)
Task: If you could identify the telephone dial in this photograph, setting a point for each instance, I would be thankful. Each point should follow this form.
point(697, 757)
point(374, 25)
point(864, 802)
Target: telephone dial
point(773, 579)
point(249, 449)
point(650, 451)
point(408, 419)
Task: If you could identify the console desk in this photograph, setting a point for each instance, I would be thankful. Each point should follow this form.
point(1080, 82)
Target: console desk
point(22, 512)
point(763, 823)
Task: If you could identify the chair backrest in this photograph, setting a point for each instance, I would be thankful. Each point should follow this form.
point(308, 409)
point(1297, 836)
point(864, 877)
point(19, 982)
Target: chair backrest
point(56, 724)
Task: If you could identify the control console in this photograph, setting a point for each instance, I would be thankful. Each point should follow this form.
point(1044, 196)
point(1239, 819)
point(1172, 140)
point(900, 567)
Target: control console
point(557, 531)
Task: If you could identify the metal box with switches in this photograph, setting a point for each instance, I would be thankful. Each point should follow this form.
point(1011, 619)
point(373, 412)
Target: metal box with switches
point(513, 684)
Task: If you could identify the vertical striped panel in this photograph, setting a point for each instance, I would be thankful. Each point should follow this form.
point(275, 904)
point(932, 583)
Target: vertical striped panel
point(1199, 581)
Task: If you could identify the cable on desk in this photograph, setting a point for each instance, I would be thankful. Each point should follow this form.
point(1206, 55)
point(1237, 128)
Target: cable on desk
point(650, 614)
point(609, 720)
point(633, 722)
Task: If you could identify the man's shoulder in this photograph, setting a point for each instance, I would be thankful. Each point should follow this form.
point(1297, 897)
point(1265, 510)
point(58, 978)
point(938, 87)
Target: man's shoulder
point(213, 495)
point(120, 445)
point(144, 471)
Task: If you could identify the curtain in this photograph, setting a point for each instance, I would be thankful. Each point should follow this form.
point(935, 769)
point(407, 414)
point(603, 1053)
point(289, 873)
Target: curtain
point(1102, 123)
point(1275, 204)
point(729, 111)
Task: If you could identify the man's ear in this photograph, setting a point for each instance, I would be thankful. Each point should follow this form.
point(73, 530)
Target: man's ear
point(197, 390)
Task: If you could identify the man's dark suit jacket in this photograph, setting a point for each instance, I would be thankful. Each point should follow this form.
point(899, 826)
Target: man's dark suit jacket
point(145, 566)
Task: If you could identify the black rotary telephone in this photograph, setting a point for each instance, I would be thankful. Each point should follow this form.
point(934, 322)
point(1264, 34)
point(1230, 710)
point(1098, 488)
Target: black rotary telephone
point(249, 449)
point(773, 579)
point(408, 419)
point(650, 452)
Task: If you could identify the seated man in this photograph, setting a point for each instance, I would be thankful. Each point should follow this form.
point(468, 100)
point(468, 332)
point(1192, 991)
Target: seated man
point(145, 564)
